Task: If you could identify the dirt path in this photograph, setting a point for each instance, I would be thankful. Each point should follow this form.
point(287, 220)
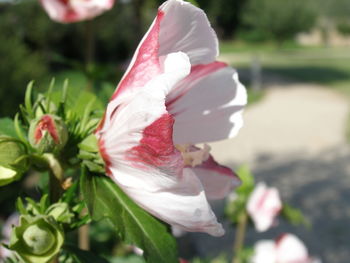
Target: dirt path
point(294, 139)
point(304, 119)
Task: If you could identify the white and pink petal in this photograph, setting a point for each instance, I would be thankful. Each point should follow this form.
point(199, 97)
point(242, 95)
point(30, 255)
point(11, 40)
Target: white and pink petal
point(218, 181)
point(179, 26)
point(68, 11)
point(207, 105)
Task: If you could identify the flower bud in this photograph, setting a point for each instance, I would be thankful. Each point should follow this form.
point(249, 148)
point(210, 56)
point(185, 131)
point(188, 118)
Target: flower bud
point(10, 167)
point(60, 212)
point(37, 239)
point(48, 133)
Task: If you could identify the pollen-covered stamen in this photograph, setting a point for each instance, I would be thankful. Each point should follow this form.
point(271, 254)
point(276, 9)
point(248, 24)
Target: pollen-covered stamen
point(46, 124)
point(193, 155)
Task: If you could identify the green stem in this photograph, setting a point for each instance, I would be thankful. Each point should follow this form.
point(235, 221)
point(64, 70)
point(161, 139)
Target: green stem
point(55, 188)
point(239, 238)
point(56, 177)
point(89, 50)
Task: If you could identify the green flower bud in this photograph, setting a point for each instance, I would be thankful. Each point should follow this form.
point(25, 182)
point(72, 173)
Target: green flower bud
point(37, 239)
point(11, 166)
point(60, 212)
point(48, 133)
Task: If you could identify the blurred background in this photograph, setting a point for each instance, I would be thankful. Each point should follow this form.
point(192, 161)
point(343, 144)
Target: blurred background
point(292, 55)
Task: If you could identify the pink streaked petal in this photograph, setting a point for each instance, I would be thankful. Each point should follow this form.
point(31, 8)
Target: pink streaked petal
point(217, 180)
point(141, 129)
point(145, 62)
point(179, 26)
point(175, 67)
point(186, 28)
point(207, 105)
point(156, 148)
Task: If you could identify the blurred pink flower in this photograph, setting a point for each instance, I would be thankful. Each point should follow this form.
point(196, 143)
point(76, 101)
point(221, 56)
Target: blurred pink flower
point(174, 95)
point(286, 249)
point(263, 206)
point(11, 221)
point(68, 11)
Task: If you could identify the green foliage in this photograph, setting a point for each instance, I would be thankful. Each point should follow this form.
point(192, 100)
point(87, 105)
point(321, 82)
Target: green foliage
point(135, 226)
point(294, 216)
point(279, 20)
point(7, 127)
point(344, 28)
point(226, 15)
point(236, 207)
point(81, 256)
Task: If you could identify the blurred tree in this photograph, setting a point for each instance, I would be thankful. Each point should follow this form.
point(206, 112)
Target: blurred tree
point(19, 63)
point(225, 15)
point(278, 20)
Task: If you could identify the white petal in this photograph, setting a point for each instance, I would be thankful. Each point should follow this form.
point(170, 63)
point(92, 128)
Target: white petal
point(218, 181)
point(207, 105)
point(186, 28)
point(291, 249)
point(179, 201)
point(265, 252)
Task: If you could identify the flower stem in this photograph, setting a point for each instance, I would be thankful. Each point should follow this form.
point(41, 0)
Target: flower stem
point(55, 188)
point(89, 50)
point(239, 238)
point(83, 235)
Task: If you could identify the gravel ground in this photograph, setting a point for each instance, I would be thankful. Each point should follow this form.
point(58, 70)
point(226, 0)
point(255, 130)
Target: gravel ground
point(294, 139)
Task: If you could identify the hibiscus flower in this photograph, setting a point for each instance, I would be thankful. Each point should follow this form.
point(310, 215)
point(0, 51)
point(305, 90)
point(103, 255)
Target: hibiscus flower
point(286, 249)
point(68, 11)
point(263, 206)
point(174, 95)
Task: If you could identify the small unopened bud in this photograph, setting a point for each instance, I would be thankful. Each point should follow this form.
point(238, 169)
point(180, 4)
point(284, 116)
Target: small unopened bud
point(60, 212)
point(48, 133)
point(11, 166)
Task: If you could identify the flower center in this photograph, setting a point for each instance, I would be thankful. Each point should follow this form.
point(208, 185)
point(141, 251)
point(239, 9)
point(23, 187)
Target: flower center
point(193, 155)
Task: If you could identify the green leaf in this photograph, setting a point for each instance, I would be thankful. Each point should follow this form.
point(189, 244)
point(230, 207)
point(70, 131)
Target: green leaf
point(18, 129)
point(294, 216)
point(28, 99)
point(7, 127)
point(247, 178)
point(20, 206)
point(134, 225)
point(236, 207)
point(83, 256)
